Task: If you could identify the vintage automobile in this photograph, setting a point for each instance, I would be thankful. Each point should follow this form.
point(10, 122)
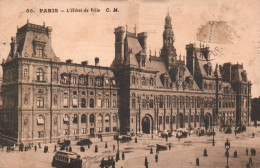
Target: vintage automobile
point(64, 143)
point(240, 129)
point(125, 138)
point(228, 130)
point(84, 142)
point(63, 159)
point(160, 147)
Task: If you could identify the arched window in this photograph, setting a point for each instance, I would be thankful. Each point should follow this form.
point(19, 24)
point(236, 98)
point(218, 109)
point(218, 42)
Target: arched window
point(151, 81)
point(91, 103)
point(98, 81)
point(133, 80)
point(83, 118)
point(83, 103)
point(39, 75)
point(75, 119)
point(91, 118)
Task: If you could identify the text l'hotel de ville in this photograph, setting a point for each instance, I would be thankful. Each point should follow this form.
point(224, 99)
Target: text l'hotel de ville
point(73, 10)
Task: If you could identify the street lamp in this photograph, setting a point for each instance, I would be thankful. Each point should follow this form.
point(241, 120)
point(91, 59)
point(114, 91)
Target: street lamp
point(227, 147)
point(213, 142)
point(117, 153)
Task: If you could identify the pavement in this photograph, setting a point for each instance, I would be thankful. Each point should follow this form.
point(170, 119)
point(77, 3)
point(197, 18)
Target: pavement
point(182, 154)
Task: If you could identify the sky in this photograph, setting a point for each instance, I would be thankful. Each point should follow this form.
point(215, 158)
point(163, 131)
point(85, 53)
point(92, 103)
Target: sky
point(85, 35)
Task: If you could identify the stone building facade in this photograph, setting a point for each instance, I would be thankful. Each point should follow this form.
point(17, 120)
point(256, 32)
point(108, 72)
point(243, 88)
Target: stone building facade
point(45, 99)
point(167, 92)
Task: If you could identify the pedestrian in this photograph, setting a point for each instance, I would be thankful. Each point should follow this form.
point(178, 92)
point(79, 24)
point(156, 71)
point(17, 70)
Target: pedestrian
point(113, 162)
point(35, 148)
point(205, 153)
point(70, 149)
point(123, 155)
point(166, 138)
point(247, 165)
point(246, 152)
point(39, 145)
point(114, 147)
point(197, 161)
point(96, 148)
point(135, 139)
point(250, 161)
point(156, 158)
point(252, 151)
point(88, 145)
point(169, 146)
point(101, 138)
point(146, 162)
point(235, 154)
point(106, 145)
point(55, 148)
point(253, 135)
point(102, 163)
point(151, 150)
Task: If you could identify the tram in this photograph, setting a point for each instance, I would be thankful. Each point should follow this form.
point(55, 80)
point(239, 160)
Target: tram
point(63, 159)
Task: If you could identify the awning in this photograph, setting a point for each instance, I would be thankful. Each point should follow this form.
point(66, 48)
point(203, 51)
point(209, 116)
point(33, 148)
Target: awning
point(99, 118)
point(75, 102)
point(107, 117)
point(40, 121)
point(65, 119)
point(244, 114)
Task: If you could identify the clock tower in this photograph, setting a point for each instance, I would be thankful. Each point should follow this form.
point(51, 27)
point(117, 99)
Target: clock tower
point(168, 52)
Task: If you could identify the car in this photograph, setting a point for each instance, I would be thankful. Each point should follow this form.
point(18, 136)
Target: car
point(125, 138)
point(63, 159)
point(64, 143)
point(228, 130)
point(84, 142)
point(160, 147)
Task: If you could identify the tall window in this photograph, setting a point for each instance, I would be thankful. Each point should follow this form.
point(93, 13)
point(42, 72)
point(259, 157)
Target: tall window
point(151, 81)
point(107, 118)
point(133, 80)
point(167, 120)
point(75, 119)
point(143, 103)
point(151, 104)
point(83, 118)
point(114, 103)
point(65, 102)
point(91, 118)
point(40, 102)
point(161, 102)
point(91, 103)
point(39, 75)
point(160, 119)
point(143, 81)
point(107, 103)
point(39, 51)
point(83, 103)
point(133, 103)
point(25, 73)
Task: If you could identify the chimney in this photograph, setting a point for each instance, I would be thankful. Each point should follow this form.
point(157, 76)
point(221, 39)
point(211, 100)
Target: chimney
point(84, 63)
point(69, 61)
point(119, 44)
point(142, 40)
point(49, 30)
point(13, 46)
point(96, 61)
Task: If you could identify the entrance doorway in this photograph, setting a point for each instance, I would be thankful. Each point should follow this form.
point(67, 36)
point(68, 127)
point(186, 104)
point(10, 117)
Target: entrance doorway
point(146, 125)
point(181, 120)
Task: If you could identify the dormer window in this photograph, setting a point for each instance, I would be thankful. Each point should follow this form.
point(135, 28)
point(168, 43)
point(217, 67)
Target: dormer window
point(39, 51)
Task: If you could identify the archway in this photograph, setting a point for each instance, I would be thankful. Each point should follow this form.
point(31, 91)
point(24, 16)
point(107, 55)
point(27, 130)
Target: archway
point(146, 124)
point(207, 121)
point(181, 120)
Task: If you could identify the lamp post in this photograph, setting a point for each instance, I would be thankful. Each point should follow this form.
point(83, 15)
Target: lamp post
point(227, 147)
point(213, 142)
point(117, 153)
